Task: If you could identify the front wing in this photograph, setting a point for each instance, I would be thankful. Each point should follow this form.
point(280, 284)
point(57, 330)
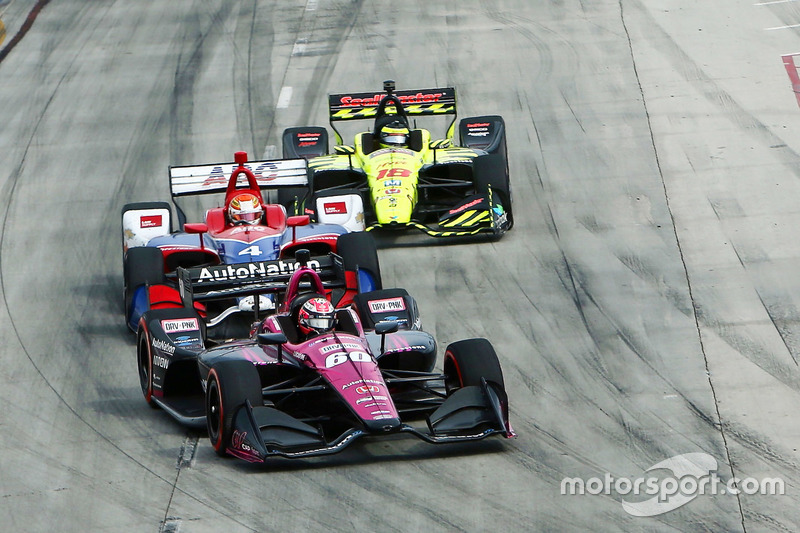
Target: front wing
point(470, 414)
point(477, 214)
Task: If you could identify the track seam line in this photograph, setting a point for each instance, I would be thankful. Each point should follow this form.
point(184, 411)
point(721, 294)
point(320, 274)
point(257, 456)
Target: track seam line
point(683, 258)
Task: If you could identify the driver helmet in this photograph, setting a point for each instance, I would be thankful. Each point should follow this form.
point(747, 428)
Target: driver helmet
point(316, 316)
point(394, 134)
point(245, 208)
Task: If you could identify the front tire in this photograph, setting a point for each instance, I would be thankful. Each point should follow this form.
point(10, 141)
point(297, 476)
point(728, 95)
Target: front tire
point(229, 386)
point(467, 361)
point(144, 362)
point(490, 175)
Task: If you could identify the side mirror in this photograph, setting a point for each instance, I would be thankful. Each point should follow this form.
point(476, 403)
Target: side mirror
point(384, 327)
point(271, 338)
point(197, 227)
point(298, 220)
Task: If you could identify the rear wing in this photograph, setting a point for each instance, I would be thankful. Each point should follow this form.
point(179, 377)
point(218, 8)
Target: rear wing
point(260, 277)
point(194, 180)
point(422, 102)
point(205, 179)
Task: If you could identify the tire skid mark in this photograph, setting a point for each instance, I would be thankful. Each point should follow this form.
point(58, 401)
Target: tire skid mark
point(778, 328)
point(693, 75)
point(640, 440)
point(10, 187)
point(686, 60)
point(765, 449)
point(752, 350)
point(545, 57)
point(772, 523)
point(335, 33)
point(642, 353)
point(409, 499)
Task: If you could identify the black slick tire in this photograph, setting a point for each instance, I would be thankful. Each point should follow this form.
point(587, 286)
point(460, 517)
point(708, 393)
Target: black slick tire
point(229, 386)
point(467, 361)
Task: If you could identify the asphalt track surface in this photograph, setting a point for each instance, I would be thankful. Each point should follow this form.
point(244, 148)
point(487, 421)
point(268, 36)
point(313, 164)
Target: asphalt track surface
point(645, 306)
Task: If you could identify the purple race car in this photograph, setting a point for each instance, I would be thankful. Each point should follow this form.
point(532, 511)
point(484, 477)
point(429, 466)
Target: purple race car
point(313, 378)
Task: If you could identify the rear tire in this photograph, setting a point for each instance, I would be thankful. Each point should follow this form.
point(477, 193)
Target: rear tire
point(229, 386)
point(467, 361)
point(358, 250)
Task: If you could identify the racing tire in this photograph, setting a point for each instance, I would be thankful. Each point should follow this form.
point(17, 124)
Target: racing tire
point(358, 251)
point(491, 171)
point(467, 361)
point(144, 364)
point(143, 265)
point(230, 384)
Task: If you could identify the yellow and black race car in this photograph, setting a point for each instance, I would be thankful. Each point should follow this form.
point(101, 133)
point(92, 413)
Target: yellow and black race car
point(395, 176)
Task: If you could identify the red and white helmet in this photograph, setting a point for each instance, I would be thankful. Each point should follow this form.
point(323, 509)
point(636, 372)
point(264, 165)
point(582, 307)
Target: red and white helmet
point(316, 316)
point(245, 208)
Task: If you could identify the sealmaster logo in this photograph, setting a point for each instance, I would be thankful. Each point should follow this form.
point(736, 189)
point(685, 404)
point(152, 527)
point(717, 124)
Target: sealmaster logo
point(150, 221)
point(251, 270)
point(419, 98)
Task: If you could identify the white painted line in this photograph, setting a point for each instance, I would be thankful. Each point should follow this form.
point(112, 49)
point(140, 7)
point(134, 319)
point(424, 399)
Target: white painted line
point(284, 98)
point(783, 27)
point(299, 47)
point(270, 152)
point(774, 2)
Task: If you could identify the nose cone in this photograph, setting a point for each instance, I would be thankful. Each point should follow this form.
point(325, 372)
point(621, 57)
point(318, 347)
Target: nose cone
point(395, 208)
point(385, 425)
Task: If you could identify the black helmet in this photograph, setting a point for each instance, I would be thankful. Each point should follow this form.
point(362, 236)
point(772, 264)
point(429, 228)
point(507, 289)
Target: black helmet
point(394, 134)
